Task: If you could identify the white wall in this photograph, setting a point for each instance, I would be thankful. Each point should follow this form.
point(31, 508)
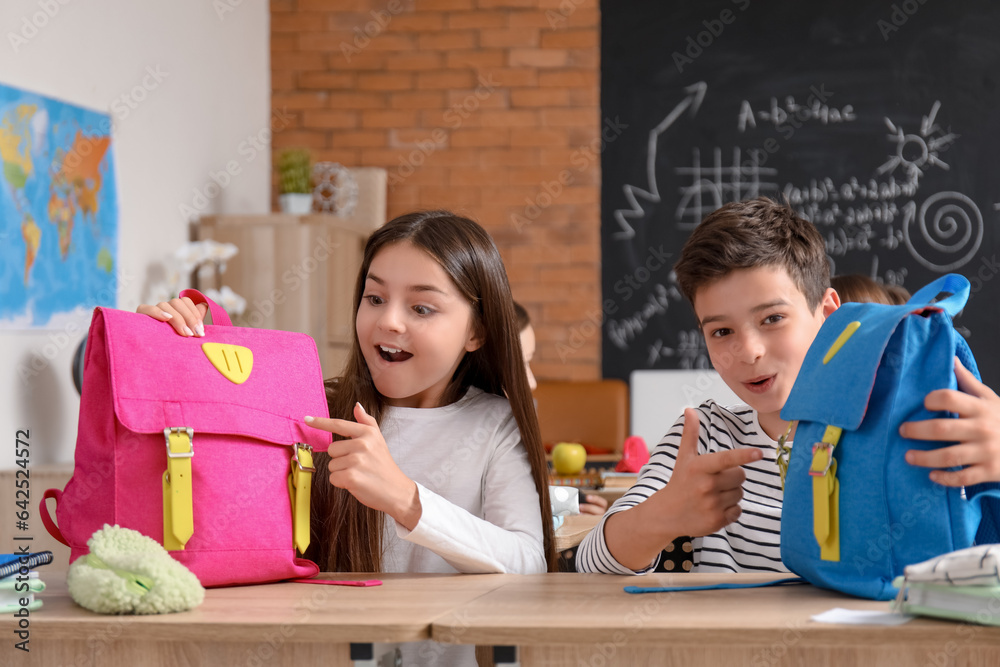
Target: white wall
point(657, 398)
point(212, 93)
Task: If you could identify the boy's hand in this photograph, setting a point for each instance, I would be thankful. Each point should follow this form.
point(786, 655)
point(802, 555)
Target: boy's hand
point(702, 496)
point(977, 432)
point(363, 466)
point(184, 316)
point(704, 492)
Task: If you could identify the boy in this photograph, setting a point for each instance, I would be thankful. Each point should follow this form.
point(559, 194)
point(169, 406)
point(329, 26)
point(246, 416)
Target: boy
point(758, 279)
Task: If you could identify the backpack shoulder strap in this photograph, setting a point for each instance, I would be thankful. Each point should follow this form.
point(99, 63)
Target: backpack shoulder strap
point(713, 587)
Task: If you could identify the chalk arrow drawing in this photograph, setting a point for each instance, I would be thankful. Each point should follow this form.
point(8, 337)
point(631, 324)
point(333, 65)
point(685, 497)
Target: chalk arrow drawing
point(695, 94)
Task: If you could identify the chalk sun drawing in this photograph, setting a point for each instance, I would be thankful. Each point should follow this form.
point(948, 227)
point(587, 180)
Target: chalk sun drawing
point(914, 151)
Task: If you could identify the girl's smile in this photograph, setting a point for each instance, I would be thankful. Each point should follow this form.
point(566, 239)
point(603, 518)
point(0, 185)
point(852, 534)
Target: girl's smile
point(393, 353)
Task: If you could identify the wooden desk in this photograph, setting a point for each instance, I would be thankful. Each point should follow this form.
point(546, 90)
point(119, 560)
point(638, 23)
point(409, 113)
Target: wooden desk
point(291, 625)
point(555, 619)
point(574, 529)
point(587, 619)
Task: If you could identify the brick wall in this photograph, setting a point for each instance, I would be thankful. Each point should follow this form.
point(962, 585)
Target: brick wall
point(488, 107)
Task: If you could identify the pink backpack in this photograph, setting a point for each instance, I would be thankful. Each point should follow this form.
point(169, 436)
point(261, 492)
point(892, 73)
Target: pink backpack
point(198, 443)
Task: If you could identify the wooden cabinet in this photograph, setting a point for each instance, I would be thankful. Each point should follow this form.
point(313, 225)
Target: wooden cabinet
point(297, 272)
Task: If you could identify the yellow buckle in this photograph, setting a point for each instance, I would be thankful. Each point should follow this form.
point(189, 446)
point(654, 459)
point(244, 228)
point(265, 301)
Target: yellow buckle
point(819, 468)
point(178, 512)
point(188, 451)
point(299, 490)
point(821, 465)
point(298, 461)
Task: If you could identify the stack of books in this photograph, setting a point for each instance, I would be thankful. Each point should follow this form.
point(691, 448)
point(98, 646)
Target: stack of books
point(618, 480)
point(588, 478)
point(19, 581)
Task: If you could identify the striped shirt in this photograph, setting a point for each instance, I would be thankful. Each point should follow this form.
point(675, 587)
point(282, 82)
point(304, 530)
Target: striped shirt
point(752, 543)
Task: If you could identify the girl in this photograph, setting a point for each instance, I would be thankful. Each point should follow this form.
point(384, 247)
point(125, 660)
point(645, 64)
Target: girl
point(433, 421)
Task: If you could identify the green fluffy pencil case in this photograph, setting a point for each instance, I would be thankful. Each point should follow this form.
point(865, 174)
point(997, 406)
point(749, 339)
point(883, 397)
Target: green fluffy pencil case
point(129, 573)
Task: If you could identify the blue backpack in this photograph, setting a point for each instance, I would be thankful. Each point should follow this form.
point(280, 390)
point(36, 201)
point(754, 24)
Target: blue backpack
point(855, 513)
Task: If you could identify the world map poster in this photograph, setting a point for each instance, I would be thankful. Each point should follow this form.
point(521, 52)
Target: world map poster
point(58, 211)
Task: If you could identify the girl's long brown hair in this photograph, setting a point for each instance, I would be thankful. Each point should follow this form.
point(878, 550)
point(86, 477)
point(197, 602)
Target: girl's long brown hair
point(346, 535)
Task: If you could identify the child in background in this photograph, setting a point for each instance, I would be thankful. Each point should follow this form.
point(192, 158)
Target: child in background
point(758, 279)
point(854, 287)
point(589, 503)
point(433, 423)
point(898, 295)
point(527, 336)
point(858, 288)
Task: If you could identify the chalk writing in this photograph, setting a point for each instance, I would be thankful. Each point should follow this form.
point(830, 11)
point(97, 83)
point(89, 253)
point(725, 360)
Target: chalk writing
point(825, 190)
point(623, 331)
point(855, 214)
point(780, 115)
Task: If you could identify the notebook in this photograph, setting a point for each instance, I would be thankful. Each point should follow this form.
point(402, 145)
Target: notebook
point(18, 592)
point(12, 563)
point(961, 585)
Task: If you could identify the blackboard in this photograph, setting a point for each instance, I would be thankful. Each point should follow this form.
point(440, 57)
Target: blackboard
point(880, 121)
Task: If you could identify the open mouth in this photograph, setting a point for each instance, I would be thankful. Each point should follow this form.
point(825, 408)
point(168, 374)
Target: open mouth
point(760, 384)
point(393, 353)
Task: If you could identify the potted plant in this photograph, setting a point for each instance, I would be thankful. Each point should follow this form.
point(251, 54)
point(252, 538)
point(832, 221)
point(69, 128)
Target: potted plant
point(294, 182)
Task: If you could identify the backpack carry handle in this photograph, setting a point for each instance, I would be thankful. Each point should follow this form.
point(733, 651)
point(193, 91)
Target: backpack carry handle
point(219, 314)
point(47, 521)
point(952, 283)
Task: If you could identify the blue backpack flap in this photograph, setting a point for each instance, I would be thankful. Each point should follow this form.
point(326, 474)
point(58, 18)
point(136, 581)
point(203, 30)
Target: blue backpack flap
point(853, 521)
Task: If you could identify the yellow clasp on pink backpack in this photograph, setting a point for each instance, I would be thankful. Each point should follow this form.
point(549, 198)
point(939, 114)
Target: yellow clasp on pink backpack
point(178, 506)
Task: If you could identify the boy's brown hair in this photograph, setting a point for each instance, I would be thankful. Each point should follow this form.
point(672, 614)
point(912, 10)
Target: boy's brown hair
point(750, 234)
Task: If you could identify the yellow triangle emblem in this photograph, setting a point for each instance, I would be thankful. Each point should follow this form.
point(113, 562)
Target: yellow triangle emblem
point(233, 361)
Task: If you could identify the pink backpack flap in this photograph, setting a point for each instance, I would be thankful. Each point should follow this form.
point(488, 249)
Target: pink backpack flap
point(197, 442)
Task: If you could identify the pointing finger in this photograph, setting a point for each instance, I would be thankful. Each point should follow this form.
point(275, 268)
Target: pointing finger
point(343, 427)
point(688, 449)
point(720, 461)
point(362, 416)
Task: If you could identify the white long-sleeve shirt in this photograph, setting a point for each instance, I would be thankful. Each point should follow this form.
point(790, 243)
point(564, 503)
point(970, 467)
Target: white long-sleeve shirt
point(479, 504)
point(480, 510)
point(752, 543)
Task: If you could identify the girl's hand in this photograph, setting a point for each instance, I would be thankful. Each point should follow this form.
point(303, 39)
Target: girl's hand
point(363, 466)
point(184, 316)
point(977, 432)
